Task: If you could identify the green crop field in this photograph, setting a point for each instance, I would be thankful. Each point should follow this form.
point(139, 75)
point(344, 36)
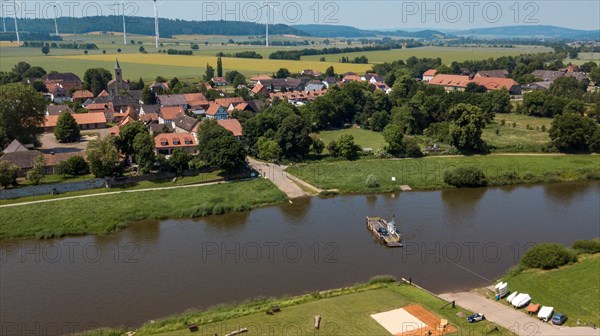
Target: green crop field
point(447, 54)
point(152, 64)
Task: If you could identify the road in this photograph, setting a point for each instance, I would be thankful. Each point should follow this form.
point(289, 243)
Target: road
point(277, 174)
point(512, 319)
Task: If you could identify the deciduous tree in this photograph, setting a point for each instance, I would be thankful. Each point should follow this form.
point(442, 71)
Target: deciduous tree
point(67, 129)
point(22, 113)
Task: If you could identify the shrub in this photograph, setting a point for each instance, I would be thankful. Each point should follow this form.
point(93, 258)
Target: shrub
point(75, 165)
point(587, 246)
point(468, 176)
point(547, 256)
point(372, 181)
point(382, 279)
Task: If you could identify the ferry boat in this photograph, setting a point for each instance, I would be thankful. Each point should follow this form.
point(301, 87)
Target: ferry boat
point(386, 232)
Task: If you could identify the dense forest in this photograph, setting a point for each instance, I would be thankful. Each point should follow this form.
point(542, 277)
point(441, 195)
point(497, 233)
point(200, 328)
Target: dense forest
point(145, 26)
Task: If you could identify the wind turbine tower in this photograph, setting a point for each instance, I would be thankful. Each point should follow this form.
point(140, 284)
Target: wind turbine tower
point(55, 17)
point(16, 26)
point(124, 30)
point(156, 24)
point(3, 15)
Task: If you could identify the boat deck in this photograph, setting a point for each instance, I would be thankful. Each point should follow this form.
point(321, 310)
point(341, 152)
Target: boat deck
point(392, 239)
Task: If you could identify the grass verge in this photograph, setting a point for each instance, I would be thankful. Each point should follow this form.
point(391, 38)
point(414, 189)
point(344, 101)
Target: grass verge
point(181, 181)
point(82, 216)
point(428, 173)
point(573, 290)
point(344, 312)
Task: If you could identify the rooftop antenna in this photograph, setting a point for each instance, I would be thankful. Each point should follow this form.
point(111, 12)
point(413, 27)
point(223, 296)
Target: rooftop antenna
point(55, 17)
point(124, 31)
point(16, 26)
point(156, 24)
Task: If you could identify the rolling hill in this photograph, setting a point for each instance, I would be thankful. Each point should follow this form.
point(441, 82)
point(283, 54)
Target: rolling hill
point(532, 31)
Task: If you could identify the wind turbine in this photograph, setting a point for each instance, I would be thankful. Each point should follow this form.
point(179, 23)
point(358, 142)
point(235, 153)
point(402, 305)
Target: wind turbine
point(124, 31)
point(3, 15)
point(55, 17)
point(156, 24)
point(267, 21)
point(16, 26)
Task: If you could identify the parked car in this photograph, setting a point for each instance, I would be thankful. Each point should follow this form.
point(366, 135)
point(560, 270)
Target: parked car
point(383, 231)
point(559, 319)
point(476, 318)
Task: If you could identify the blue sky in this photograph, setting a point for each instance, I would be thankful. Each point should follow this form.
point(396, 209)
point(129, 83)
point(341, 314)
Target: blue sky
point(366, 14)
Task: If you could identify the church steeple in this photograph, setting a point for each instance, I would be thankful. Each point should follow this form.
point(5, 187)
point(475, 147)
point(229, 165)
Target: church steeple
point(118, 77)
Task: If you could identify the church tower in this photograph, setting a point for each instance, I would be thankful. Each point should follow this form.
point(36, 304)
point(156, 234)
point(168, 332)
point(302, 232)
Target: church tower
point(118, 77)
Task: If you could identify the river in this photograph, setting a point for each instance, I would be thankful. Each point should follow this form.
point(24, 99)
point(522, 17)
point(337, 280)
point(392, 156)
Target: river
point(453, 239)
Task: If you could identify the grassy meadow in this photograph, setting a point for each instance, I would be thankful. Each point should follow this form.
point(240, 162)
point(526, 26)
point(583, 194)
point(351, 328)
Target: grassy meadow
point(363, 138)
point(80, 216)
point(343, 311)
point(573, 290)
point(428, 173)
point(527, 135)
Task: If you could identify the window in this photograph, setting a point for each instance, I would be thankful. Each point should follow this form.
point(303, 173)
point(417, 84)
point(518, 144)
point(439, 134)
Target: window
point(188, 142)
point(164, 143)
point(176, 142)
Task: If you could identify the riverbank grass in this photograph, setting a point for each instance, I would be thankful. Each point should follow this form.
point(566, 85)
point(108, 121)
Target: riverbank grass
point(428, 173)
point(573, 290)
point(106, 213)
point(344, 312)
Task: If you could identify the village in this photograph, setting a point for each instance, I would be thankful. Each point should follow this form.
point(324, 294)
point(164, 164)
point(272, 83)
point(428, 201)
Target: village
point(174, 119)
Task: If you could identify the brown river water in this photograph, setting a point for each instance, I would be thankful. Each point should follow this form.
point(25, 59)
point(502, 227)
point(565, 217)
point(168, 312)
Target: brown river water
point(453, 240)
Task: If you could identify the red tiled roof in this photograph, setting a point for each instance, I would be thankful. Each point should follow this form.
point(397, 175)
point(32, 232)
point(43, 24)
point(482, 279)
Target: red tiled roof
point(493, 83)
point(103, 94)
point(430, 72)
point(170, 112)
point(149, 117)
point(80, 118)
point(352, 78)
point(233, 126)
point(225, 102)
point(82, 94)
point(260, 77)
point(100, 106)
point(450, 80)
point(170, 140)
point(213, 109)
point(257, 88)
point(241, 107)
point(191, 98)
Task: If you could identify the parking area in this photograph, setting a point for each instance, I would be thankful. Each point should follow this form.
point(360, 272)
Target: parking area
point(50, 145)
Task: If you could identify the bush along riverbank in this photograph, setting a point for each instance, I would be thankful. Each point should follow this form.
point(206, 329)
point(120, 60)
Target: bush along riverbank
point(564, 278)
point(101, 214)
point(384, 175)
point(344, 311)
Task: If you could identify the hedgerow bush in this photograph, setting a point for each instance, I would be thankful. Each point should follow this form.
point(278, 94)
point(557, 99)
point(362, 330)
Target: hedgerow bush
point(587, 246)
point(467, 176)
point(547, 256)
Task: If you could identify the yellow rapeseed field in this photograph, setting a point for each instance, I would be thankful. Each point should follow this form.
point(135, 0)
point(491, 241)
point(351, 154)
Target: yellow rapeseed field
point(239, 64)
